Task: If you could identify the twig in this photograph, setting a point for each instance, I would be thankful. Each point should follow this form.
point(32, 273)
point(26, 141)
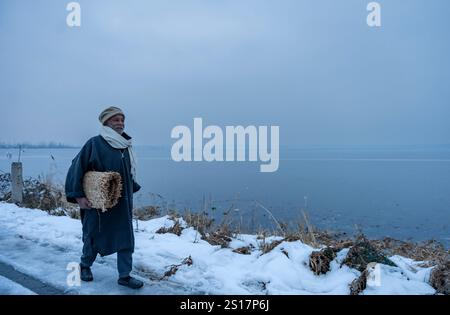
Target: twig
point(310, 228)
point(270, 213)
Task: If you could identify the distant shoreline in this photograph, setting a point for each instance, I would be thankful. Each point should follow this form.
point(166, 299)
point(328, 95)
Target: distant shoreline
point(38, 146)
point(406, 147)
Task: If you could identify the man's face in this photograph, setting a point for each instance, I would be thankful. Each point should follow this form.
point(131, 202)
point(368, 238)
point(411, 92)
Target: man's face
point(116, 122)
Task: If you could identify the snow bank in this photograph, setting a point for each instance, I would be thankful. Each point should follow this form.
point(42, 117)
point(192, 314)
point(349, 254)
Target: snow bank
point(216, 270)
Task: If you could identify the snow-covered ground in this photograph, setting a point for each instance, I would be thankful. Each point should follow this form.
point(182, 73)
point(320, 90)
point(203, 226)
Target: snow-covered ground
point(46, 247)
point(9, 287)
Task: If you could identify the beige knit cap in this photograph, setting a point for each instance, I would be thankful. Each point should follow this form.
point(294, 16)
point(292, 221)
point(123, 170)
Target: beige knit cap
point(108, 113)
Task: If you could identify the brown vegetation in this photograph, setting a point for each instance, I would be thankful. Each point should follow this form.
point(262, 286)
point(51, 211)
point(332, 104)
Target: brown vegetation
point(440, 278)
point(146, 213)
point(174, 268)
point(362, 253)
point(319, 261)
point(45, 196)
point(175, 229)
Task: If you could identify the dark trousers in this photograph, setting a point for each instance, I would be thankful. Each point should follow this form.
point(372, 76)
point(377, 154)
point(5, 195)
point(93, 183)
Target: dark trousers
point(124, 260)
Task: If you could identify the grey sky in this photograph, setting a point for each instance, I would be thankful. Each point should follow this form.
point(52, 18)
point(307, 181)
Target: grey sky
point(312, 67)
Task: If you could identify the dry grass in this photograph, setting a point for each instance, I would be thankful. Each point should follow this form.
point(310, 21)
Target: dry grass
point(430, 251)
point(310, 231)
point(334, 240)
point(39, 194)
point(221, 236)
point(175, 229)
point(359, 284)
point(440, 278)
point(174, 268)
point(246, 250)
point(199, 221)
point(267, 247)
point(72, 211)
point(146, 213)
point(5, 186)
point(215, 235)
point(217, 238)
point(280, 227)
point(307, 234)
point(319, 261)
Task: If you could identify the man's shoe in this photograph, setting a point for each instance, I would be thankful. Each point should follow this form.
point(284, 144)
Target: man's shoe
point(86, 274)
point(130, 282)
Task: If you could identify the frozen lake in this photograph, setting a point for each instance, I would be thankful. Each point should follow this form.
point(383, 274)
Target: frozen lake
point(402, 192)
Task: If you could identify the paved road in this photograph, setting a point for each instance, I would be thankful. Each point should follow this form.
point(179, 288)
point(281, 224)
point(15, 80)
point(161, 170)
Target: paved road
point(27, 262)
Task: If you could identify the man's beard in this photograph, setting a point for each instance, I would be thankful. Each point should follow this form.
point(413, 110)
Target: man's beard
point(118, 130)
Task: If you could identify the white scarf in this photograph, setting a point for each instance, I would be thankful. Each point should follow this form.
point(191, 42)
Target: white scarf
point(118, 142)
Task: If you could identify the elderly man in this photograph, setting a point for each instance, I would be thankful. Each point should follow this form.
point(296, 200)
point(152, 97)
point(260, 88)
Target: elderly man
point(107, 232)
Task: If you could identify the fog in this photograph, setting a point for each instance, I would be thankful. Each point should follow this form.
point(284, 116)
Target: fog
point(313, 68)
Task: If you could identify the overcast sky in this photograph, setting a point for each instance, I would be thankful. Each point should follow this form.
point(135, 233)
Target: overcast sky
point(312, 67)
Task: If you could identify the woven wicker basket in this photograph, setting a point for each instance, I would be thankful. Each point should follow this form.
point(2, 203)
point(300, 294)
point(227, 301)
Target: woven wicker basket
point(102, 189)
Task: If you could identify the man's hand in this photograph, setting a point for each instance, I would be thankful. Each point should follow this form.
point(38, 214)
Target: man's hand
point(84, 203)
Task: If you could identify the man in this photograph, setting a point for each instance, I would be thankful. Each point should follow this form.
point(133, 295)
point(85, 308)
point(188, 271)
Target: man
point(107, 232)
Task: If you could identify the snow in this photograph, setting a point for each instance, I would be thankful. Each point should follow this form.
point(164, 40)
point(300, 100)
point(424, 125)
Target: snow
point(8, 287)
point(42, 246)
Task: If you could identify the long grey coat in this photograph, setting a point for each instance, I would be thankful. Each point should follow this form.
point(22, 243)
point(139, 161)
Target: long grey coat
point(111, 231)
